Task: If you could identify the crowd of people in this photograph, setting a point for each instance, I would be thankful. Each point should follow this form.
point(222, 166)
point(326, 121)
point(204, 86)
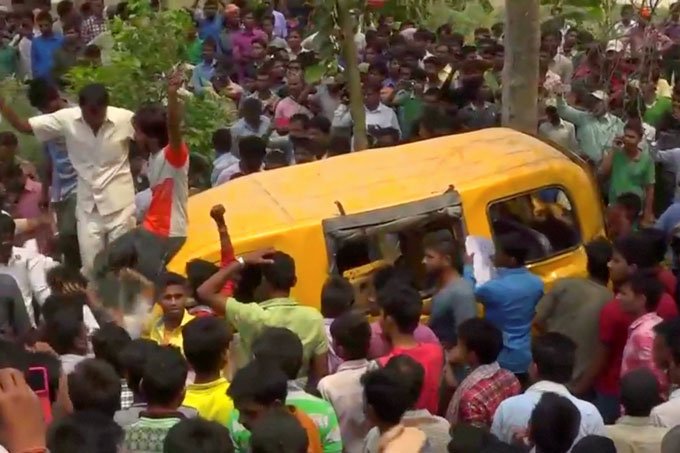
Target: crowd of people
point(104, 350)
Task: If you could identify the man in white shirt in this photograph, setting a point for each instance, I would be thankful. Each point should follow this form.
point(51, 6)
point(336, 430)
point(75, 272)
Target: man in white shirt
point(558, 130)
point(552, 368)
point(28, 268)
point(623, 27)
point(97, 140)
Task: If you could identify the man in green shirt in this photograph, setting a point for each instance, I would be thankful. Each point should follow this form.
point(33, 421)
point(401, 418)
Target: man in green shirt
point(630, 169)
point(277, 310)
point(9, 59)
point(655, 106)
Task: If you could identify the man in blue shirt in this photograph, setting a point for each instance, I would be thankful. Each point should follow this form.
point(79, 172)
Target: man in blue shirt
point(204, 71)
point(210, 25)
point(44, 47)
point(510, 301)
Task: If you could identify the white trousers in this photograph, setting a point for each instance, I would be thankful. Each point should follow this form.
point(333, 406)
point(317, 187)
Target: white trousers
point(96, 232)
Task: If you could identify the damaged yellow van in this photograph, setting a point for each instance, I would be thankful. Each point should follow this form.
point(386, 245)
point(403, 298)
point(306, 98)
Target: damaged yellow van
point(355, 213)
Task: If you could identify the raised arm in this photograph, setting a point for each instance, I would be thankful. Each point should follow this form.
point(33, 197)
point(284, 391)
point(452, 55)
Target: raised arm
point(226, 248)
point(175, 114)
point(20, 124)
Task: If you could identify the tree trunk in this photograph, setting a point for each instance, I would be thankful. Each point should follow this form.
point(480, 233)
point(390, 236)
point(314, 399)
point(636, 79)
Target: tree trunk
point(353, 77)
point(520, 72)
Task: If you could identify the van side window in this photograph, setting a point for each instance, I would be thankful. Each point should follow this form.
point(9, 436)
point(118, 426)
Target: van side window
point(544, 218)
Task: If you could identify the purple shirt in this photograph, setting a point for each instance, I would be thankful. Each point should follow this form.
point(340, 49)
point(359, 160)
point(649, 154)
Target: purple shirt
point(380, 346)
point(242, 41)
point(28, 207)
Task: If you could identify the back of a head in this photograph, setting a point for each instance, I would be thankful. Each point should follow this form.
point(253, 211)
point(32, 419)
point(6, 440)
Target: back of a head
point(599, 252)
point(282, 347)
point(657, 240)
point(469, 439)
point(280, 274)
point(639, 392)
point(94, 386)
point(513, 245)
point(206, 341)
point(198, 436)
point(386, 395)
point(554, 355)
point(278, 432)
point(164, 377)
point(646, 283)
point(481, 337)
point(252, 148)
point(133, 359)
point(64, 328)
point(41, 92)
point(403, 304)
point(412, 374)
point(198, 271)
point(597, 444)
point(85, 432)
point(351, 332)
point(636, 249)
point(108, 342)
point(337, 296)
point(554, 424)
point(260, 382)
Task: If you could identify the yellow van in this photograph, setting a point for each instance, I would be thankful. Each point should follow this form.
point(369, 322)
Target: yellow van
point(353, 213)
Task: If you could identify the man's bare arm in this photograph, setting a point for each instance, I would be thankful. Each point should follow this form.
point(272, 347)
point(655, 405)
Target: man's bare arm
point(20, 124)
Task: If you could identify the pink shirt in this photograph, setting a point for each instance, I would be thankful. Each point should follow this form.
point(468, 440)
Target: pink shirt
point(28, 207)
point(380, 346)
point(287, 107)
point(638, 350)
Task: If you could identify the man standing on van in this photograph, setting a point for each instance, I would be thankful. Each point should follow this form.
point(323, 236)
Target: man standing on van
point(97, 140)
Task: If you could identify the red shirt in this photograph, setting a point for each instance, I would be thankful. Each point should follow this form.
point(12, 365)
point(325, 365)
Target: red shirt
point(667, 308)
point(614, 324)
point(668, 280)
point(431, 357)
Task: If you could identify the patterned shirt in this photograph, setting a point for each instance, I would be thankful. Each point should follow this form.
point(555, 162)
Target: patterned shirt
point(479, 403)
point(93, 27)
point(638, 350)
point(127, 398)
point(147, 435)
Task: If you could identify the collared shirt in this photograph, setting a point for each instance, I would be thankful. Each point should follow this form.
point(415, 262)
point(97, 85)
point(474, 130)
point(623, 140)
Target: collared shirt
point(210, 399)
point(572, 307)
point(242, 128)
point(242, 41)
point(29, 270)
point(631, 175)
point(563, 133)
point(333, 360)
point(638, 350)
point(345, 392)
point(43, 49)
point(101, 160)
point(480, 402)
point(305, 322)
point(221, 163)
point(622, 29)
point(475, 117)
point(382, 117)
point(514, 413)
point(636, 435)
point(64, 176)
point(92, 27)
point(436, 428)
point(202, 75)
point(667, 415)
point(594, 135)
point(510, 300)
point(162, 336)
point(280, 26)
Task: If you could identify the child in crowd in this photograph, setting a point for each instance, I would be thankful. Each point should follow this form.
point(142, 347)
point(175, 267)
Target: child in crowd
point(337, 297)
point(206, 344)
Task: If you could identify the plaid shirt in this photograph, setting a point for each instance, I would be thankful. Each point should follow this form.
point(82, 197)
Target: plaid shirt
point(479, 403)
point(93, 27)
point(126, 396)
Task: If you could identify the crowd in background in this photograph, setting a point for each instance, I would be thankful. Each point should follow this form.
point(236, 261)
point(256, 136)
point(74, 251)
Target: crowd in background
point(104, 350)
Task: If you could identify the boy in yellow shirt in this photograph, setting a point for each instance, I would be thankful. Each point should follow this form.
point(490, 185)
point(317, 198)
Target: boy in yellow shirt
point(172, 295)
point(206, 342)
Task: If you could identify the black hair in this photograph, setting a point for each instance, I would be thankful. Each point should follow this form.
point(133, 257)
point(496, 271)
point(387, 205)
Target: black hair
point(403, 304)
point(44, 16)
point(557, 34)
point(387, 394)
point(594, 444)
point(657, 241)
point(280, 274)
point(164, 376)
point(64, 7)
point(412, 374)
point(7, 225)
point(252, 104)
point(63, 327)
point(152, 120)
point(280, 346)
point(206, 341)
point(669, 331)
point(198, 271)
point(278, 431)
point(627, 7)
point(252, 149)
point(210, 42)
point(385, 275)
point(337, 296)
point(481, 337)
point(378, 67)
point(646, 283)
point(424, 35)
point(302, 118)
point(466, 438)
point(512, 245)
point(352, 332)
point(447, 248)
point(640, 392)
point(170, 279)
point(276, 157)
point(61, 276)
point(94, 94)
point(221, 140)
point(108, 342)
point(554, 355)
point(57, 302)
point(599, 252)
point(260, 382)
point(636, 250)
point(94, 386)
point(198, 436)
point(8, 138)
point(133, 359)
point(87, 431)
point(320, 123)
point(554, 424)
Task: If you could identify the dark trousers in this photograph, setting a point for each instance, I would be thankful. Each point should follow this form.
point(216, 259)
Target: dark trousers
point(67, 244)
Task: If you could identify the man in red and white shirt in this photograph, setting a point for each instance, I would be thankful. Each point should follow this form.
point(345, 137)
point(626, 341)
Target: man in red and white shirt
point(640, 297)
